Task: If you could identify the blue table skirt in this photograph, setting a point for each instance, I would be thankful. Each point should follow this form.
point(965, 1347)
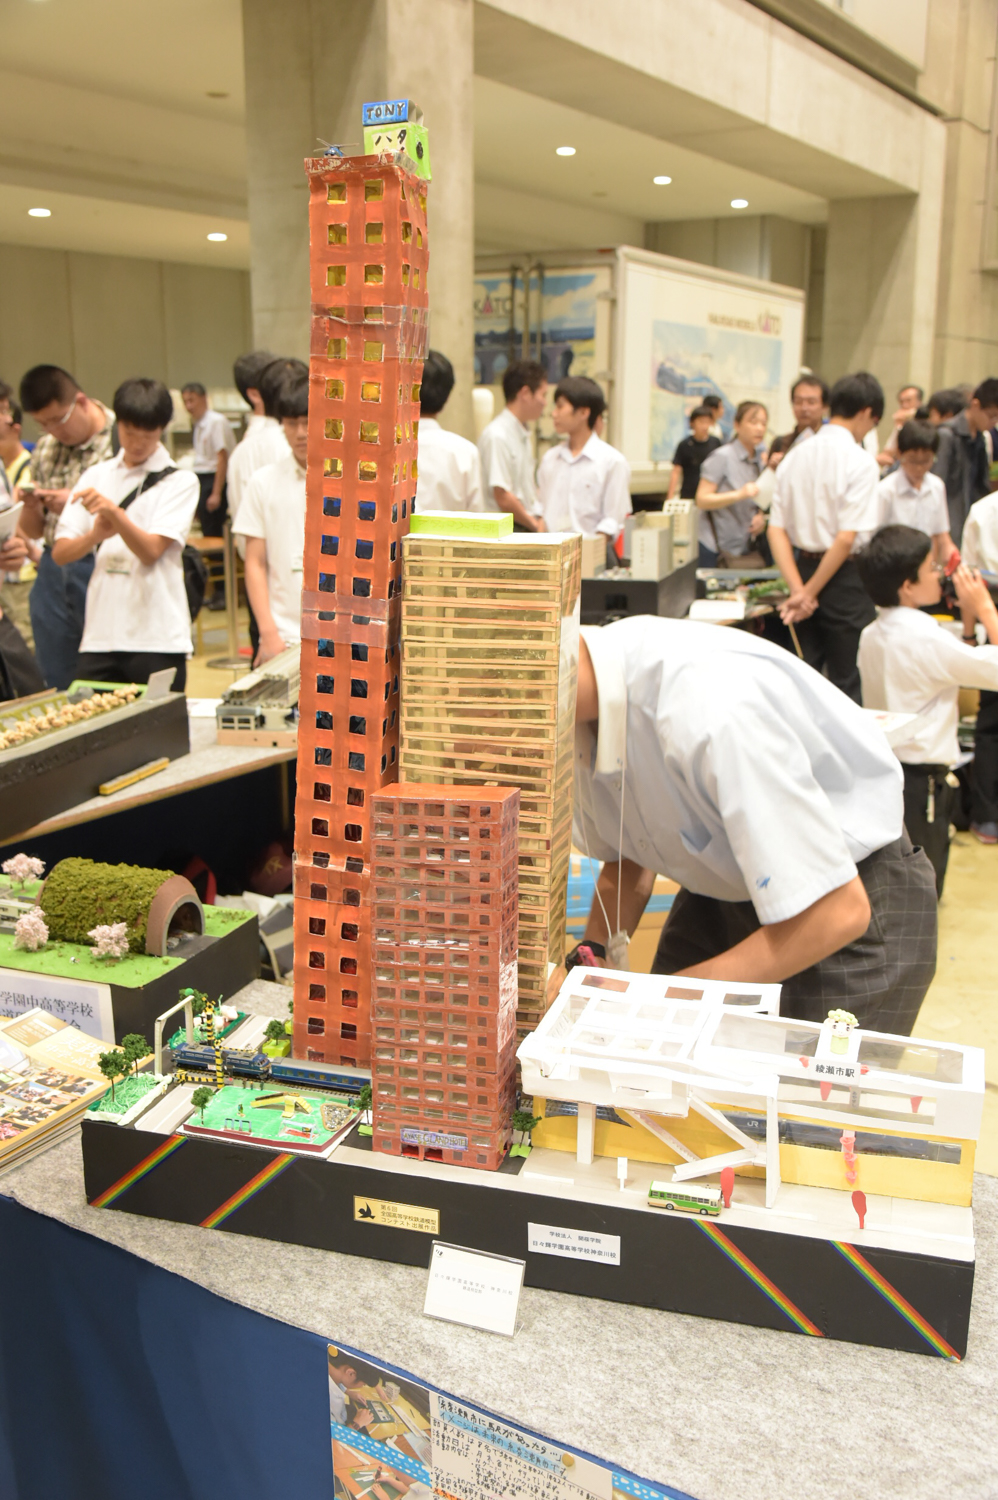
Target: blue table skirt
point(122, 1381)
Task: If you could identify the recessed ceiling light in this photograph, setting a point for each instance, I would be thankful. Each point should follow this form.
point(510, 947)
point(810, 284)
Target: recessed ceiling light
point(218, 236)
point(661, 181)
point(739, 203)
point(564, 151)
point(216, 94)
point(39, 213)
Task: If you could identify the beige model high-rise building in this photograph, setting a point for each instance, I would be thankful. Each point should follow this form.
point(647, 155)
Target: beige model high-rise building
point(490, 631)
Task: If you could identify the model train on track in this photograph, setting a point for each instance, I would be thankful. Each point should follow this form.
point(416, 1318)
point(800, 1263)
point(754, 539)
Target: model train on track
point(244, 1062)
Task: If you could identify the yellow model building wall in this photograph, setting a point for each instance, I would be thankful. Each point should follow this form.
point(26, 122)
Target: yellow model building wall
point(808, 1166)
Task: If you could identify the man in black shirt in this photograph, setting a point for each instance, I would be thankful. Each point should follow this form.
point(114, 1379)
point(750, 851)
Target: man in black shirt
point(690, 454)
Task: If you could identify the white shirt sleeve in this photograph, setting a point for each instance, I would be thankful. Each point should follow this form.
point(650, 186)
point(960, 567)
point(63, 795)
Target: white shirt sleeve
point(970, 542)
point(968, 666)
point(250, 521)
point(171, 513)
point(222, 435)
point(616, 498)
point(941, 521)
point(781, 496)
point(474, 499)
point(857, 510)
point(545, 475)
point(782, 830)
point(496, 470)
point(74, 520)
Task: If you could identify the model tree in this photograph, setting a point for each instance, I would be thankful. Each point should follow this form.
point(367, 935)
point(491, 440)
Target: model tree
point(113, 1065)
point(135, 1048)
point(199, 1099)
point(275, 1031)
point(523, 1123)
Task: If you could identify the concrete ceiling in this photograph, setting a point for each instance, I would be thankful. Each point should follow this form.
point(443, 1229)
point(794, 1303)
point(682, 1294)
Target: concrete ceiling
point(107, 117)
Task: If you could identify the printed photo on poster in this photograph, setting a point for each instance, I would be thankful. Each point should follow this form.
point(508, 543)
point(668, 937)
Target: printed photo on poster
point(381, 1416)
point(690, 362)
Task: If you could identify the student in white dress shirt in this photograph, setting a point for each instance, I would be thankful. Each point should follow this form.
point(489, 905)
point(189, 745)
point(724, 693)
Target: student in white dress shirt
point(135, 511)
point(449, 469)
point(911, 665)
point(263, 441)
point(583, 483)
point(737, 770)
point(980, 550)
point(272, 521)
point(506, 448)
point(911, 495)
point(824, 510)
point(213, 440)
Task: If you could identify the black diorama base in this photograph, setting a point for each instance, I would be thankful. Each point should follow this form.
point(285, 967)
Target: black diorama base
point(40, 781)
point(217, 966)
point(769, 1278)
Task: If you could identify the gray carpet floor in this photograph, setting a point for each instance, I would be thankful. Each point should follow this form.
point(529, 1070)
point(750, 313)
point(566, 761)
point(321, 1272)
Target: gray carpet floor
point(720, 1411)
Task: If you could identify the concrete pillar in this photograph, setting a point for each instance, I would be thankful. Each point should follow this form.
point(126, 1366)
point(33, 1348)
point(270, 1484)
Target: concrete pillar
point(310, 65)
point(881, 274)
point(585, 1137)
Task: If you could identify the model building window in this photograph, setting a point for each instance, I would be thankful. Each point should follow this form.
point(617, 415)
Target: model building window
point(330, 546)
point(375, 352)
point(353, 833)
point(362, 588)
point(317, 992)
point(370, 432)
point(370, 390)
point(323, 757)
point(336, 348)
point(395, 514)
point(320, 828)
point(336, 275)
point(336, 192)
point(332, 468)
point(326, 647)
point(334, 429)
point(323, 719)
point(384, 763)
point(358, 652)
point(335, 390)
point(321, 791)
point(367, 470)
point(317, 925)
point(349, 998)
point(355, 761)
point(405, 274)
point(374, 233)
point(314, 1056)
point(358, 725)
point(316, 1026)
point(324, 683)
point(349, 932)
point(351, 897)
point(320, 860)
point(316, 960)
point(373, 190)
point(364, 549)
point(337, 234)
point(354, 866)
point(330, 505)
point(358, 687)
point(327, 583)
point(348, 966)
point(373, 275)
point(317, 892)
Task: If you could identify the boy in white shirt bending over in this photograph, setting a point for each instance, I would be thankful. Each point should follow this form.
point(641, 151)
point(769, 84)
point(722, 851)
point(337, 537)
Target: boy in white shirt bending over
point(911, 496)
point(450, 472)
point(584, 484)
point(134, 511)
point(911, 665)
point(272, 520)
point(980, 550)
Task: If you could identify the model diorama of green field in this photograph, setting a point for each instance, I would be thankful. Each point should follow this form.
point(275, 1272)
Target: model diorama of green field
point(128, 1092)
point(268, 1115)
point(77, 961)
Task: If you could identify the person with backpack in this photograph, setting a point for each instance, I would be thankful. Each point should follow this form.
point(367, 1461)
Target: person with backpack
point(133, 512)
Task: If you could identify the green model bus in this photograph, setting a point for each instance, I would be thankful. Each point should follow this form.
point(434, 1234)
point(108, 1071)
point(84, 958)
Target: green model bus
point(693, 1199)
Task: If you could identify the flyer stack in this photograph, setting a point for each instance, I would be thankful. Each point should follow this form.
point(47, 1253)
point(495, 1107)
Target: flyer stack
point(368, 237)
point(445, 920)
point(490, 632)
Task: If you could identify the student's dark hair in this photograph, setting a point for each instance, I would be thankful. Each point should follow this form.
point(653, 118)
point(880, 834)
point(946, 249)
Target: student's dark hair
point(986, 394)
point(44, 384)
point(744, 407)
point(921, 414)
point(854, 393)
point(701, 411)
point(580, 391)
point(522, 372)
point(246, 370)
point(910, 385)
point(891, 557)
point(436, 383)
point(193, 388)
point(292, 397)
point(713, 403)
point(810, 379)
point(914, 435)
point(6, 391)
point(273, 378)
point(16, 414)
point(947, 402)
point(143, 403)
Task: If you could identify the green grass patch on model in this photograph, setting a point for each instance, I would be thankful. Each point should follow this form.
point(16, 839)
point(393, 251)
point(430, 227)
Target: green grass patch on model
point(76, 960)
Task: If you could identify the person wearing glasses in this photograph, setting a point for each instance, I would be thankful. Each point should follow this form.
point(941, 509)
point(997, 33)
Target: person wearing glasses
point(76, 434)
point(911, 665)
